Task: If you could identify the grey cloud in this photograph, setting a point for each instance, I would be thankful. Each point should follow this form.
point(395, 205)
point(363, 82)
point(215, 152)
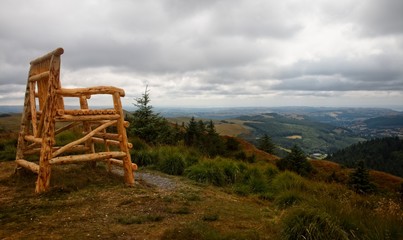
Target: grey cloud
point(382, 72)
point(381, 17)
point(257, 19)
point(202, 48)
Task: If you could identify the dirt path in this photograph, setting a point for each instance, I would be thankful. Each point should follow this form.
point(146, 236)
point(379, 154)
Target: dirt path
point(156, 180)
point(162, 183)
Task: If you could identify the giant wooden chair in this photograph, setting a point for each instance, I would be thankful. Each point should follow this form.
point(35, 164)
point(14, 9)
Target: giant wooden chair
point(44, 109)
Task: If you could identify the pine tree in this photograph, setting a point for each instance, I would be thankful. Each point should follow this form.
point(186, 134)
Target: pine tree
point(148, 125)
point(295, 161)
point(359, 180)
point(213, 143)
point(266, 144)
point(191, 133)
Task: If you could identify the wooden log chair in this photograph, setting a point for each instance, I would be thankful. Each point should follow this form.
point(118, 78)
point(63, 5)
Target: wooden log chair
point(44, 109)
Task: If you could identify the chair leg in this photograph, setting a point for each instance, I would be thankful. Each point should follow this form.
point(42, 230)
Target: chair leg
point(43, 181)
point(127, 162)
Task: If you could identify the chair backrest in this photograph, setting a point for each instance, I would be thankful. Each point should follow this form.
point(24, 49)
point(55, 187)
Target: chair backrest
point(44, 73)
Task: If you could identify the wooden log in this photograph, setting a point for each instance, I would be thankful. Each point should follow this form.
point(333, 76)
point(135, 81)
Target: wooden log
point(77, 148)
point(33, 109)
point(48, 116)
point(83, 139)
point(87, 128)
point(28, 165)
point(105, 141)
point(39, 76)
point(56, 52)
point(77, 92)
point(71, 118)
point(24, 128)
point(86, 157)
point(79, 112)
point(127, 163)
point(110, 142)
point(66, 127)
point(120, 163)
point(33, 139)
point(111, 136)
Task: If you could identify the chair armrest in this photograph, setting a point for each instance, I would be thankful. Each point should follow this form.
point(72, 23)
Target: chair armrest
point(77, 92)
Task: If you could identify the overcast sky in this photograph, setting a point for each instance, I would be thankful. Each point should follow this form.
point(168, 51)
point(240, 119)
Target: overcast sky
point(210, 53)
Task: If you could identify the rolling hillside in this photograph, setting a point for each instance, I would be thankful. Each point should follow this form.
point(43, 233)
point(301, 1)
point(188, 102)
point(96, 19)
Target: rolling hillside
point(287, 130)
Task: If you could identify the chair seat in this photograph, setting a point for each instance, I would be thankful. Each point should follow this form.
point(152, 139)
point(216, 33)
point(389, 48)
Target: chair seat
point(86, 112)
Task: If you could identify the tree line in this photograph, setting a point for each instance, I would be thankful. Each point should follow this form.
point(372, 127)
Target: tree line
point(383, 154)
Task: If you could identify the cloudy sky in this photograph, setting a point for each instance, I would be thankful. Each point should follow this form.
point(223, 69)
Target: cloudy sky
point(212, 53)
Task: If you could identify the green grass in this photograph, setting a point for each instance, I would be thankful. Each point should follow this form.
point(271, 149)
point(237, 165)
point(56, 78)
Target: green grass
point(307, 223)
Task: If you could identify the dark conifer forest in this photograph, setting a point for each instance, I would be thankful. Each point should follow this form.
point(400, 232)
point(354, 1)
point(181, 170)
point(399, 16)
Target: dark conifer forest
point(383, 154)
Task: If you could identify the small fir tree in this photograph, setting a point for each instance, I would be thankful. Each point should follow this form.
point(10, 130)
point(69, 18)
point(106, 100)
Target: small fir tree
point(213, 142)
point(147, 125)
point(266, 144)
point(295, 161)
point(359, 180)
point(191, 133)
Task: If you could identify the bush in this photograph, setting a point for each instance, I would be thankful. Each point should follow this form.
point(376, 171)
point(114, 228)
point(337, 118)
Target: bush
point(312, 224)
point(8, 149)
point(230, 169)
point(288, 181)
point(257, 183)
point(172, 164)
point(252, 181)
point(242, 189)
point(144, 158)
point(138, 144)
point(191, 159)
point(218, 172)
point(206, 172)
point(270, 172)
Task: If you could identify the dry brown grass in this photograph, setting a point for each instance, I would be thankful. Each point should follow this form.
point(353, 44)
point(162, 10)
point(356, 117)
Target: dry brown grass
point(250, 149)
point(88, 203)
point(383, 181)
point(11, 124)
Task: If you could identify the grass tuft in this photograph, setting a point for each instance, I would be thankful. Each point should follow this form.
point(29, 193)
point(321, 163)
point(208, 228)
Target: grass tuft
point(312, 224)
point(288, 198)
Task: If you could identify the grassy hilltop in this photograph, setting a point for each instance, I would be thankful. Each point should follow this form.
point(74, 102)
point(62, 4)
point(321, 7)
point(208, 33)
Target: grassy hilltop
point(184, 192)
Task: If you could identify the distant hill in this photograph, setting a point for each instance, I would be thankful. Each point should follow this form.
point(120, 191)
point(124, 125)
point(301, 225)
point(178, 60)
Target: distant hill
point(385, 122)
point(11, 109)
point(384, 154)
point(289, 129)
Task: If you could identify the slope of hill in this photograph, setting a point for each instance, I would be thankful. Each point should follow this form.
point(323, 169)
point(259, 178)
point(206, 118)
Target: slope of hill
point(395, 121)
point(385, 154)
point(290, 129)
